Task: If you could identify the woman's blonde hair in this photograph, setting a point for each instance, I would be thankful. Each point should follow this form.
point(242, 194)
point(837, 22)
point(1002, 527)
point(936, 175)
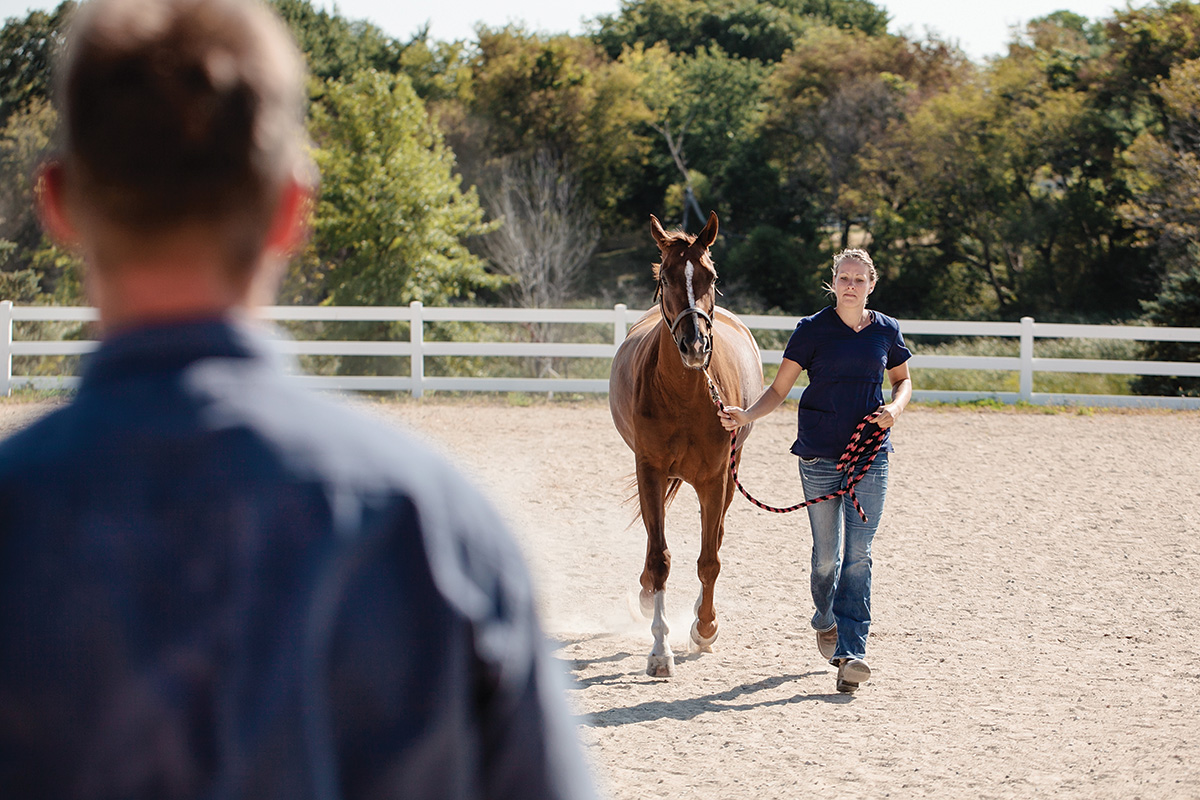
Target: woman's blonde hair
point(852, 254)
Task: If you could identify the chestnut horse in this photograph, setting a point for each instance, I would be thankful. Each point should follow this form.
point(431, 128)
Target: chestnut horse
point(660, 401)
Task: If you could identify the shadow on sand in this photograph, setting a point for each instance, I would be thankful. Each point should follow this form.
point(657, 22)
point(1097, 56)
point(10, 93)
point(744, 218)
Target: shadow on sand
point(691, 707)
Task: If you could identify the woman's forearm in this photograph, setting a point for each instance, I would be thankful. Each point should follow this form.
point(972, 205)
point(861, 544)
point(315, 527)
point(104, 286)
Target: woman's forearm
point(902, 393)
point(767, 402)
point(733, 417)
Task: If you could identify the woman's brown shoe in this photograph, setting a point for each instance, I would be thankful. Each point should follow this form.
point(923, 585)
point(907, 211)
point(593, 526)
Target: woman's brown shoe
point(852, 672)
point(827, 642)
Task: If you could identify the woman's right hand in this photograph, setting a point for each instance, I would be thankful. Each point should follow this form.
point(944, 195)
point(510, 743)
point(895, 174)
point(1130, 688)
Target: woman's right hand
point(733, 417)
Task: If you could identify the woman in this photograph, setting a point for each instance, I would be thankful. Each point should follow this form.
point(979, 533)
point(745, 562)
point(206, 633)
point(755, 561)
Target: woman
point(846, 350)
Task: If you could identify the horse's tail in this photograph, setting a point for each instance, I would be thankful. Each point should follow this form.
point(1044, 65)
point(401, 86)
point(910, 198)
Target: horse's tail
point(631, 486)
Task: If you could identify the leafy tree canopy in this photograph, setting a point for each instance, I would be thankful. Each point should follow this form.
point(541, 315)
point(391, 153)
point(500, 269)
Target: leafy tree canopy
point(743, 28)
point(1177, 305)
point(27, 47)
point(562, 95)
point(336, 47)
point(392, 215)
point(1163, 171)
point(1141, 46)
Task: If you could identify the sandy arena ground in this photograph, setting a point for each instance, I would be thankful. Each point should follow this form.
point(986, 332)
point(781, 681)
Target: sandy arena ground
point(1035, 599)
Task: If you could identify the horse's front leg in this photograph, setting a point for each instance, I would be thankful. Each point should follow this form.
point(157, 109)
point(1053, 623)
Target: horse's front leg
point(714, 498)
point(652, 492)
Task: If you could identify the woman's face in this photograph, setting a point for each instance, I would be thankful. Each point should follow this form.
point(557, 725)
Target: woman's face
point(852, 283)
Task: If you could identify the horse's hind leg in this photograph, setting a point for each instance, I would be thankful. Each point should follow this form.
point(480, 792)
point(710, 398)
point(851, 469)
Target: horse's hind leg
point(652, 490)
point(714, 499)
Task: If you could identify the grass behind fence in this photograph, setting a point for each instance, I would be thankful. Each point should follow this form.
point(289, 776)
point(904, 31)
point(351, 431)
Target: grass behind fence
point(965, 380)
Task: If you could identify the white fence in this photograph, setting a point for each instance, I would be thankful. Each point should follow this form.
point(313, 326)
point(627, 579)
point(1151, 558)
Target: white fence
point(619, 318)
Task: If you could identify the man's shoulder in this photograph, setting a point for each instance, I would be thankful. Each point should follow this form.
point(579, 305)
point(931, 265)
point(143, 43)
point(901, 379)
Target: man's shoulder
point(261, 427)
point(330, 440)
point(256, 438)
point(39, 441)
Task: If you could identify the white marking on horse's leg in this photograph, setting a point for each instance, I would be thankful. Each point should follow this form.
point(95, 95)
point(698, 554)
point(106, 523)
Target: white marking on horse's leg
point(704, 645)
point(688, 271)
point(661, 662)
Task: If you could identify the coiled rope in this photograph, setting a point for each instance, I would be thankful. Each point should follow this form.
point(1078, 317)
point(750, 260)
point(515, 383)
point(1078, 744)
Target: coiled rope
point(855, 460)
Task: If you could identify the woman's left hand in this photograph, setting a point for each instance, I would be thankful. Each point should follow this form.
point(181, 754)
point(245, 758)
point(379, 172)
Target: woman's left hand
point(886, 416)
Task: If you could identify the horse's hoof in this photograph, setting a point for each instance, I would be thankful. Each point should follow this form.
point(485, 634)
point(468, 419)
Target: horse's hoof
point(646, 601)
point(704, 644)
point(660, 666)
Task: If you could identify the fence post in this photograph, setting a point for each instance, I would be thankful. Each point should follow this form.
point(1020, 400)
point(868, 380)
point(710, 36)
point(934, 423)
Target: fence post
point(618, 325)
point(417, 337)
point(1027, 359)
point(6, 338)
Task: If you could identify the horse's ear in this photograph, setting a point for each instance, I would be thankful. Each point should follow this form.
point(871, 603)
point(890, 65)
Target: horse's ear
point(656, 230)
point(707, 236)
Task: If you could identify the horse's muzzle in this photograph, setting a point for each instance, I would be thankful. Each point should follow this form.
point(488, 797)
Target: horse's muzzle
point(696, 350)
point(696, 353)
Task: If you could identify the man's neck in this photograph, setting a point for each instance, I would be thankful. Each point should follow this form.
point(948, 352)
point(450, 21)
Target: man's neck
point(165, 288)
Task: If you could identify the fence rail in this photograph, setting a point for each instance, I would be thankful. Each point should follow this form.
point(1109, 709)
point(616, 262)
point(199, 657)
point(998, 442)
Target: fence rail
point(619, 318)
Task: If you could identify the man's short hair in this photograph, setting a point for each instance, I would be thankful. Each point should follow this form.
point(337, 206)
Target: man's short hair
point(178, 112)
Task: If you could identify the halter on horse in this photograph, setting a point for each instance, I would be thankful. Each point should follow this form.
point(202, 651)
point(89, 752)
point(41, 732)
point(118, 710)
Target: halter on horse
point(692, 310)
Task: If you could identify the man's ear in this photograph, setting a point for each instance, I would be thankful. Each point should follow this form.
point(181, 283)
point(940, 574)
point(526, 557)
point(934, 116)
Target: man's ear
point(290, 225)
point(50, 194)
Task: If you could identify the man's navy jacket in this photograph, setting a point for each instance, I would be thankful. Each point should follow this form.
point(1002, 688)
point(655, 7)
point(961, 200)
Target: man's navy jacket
point(216, 584)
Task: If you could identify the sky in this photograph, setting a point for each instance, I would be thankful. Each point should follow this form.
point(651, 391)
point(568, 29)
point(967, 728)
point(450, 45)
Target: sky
point(980, 29)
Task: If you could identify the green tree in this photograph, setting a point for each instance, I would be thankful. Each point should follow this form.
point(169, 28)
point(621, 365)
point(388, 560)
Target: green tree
point(26, 49)
point(1162, 171)
point(836, 95)
point(29, 262)
point(336, 47)
point(1177, 304)
point(1141, 47)
point(1163, 174)
point(762, 31)
point(438, 70)
point(769, 270)
point(701, 107)
point(392, 215)
point(24, 141)
point(1000, 190)
point(560, 94)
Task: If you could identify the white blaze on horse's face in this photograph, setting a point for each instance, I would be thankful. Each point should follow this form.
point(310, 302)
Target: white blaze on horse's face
point(695, 348)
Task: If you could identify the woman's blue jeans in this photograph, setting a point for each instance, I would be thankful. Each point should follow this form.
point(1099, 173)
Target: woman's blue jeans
point(841, 554)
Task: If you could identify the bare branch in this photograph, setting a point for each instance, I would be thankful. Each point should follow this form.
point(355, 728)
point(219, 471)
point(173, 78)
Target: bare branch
point(549, 232)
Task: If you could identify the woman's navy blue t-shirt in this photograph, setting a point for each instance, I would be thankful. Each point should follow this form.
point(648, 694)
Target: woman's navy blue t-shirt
point(845, 373)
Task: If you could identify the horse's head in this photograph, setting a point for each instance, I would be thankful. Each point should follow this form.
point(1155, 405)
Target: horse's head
point(687, 289)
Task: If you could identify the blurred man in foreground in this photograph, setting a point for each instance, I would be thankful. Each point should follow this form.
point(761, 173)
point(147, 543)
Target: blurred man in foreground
point(212, 583)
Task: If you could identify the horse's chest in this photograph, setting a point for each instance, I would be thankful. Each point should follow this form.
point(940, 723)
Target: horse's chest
point(684, 445)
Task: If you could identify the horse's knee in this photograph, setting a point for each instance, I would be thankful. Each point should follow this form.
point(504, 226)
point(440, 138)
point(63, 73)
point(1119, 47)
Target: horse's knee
point(656, 571)
point(708, 568)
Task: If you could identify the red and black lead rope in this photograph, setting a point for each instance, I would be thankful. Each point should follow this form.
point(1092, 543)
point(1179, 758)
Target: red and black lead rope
point(855, 460)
